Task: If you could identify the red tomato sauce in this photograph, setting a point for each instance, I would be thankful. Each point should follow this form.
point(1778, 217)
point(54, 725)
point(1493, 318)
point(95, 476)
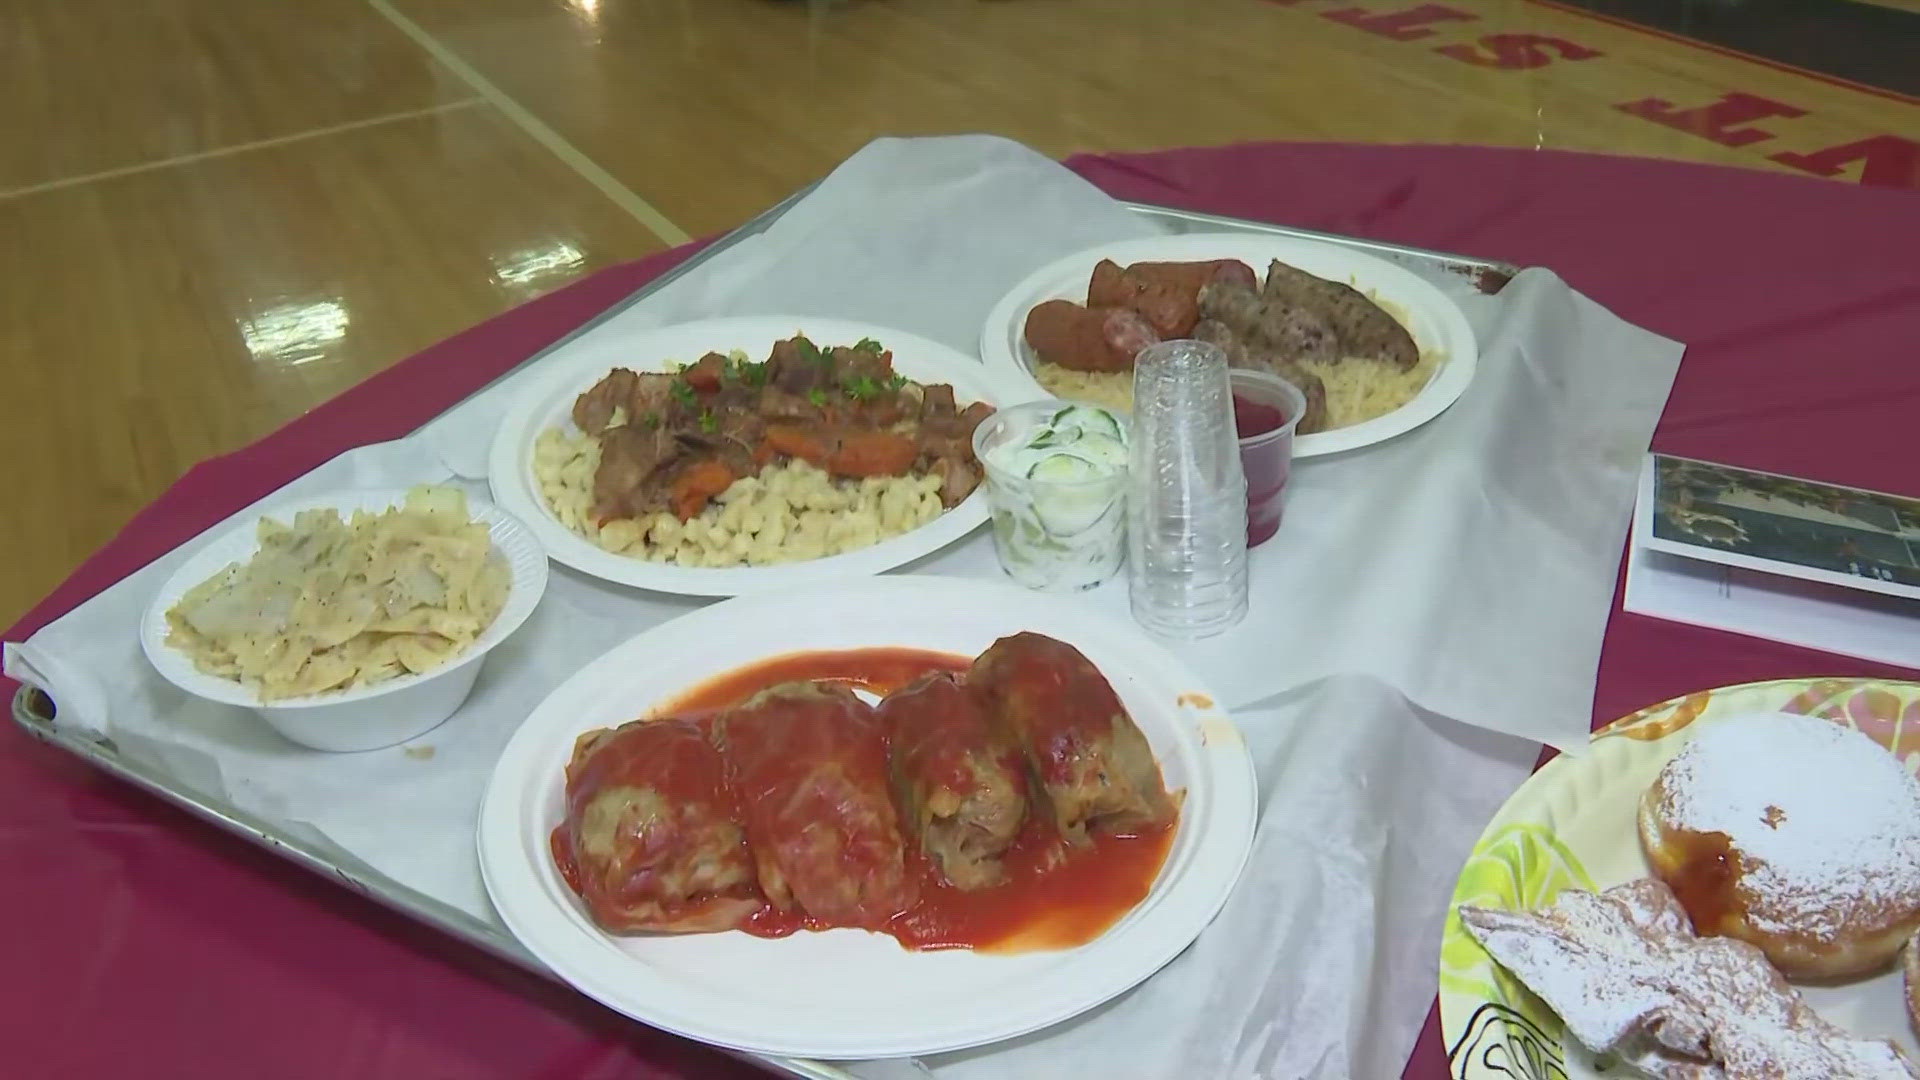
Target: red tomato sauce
point(1055, 896)
point(879, 670)
point(1052, 898)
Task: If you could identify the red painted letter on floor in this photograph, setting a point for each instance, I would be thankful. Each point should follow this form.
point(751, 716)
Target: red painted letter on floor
point(1407, 25)
point(1715, 121)
point(1517, 52)
point(1888, 161)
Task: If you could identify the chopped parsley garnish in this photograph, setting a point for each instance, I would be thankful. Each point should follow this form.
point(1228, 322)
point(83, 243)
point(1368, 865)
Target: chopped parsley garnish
point(862, 388)
point(817, 396)
point(652, 420)
point(682, 392)
point(738, 369)
point(868, 345)
point(809, 351)
point(753, 374)
point(897, 381)
point(709, 423)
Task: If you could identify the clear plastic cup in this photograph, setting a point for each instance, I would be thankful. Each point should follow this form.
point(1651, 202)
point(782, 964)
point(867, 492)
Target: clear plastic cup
point(1051, 535)
point(1266, 410)
point(1187, 508)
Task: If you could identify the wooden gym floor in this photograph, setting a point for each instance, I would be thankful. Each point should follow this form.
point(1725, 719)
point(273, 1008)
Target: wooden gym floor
point(218, 213)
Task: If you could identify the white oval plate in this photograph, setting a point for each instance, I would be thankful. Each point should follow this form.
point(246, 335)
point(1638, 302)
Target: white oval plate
point(1435, 322)
point(849, 993)
point(526, 562)
point(550, 404)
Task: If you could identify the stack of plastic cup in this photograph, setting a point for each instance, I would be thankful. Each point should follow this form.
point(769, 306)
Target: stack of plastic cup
point(1187, 507)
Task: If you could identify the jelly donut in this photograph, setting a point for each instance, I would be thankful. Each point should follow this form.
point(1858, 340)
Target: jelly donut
point(1796, 834)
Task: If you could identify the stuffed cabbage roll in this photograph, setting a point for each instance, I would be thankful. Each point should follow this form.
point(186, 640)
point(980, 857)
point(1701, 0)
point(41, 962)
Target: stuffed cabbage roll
point(1093, 765)
point(810, 764)
point(654, 838)
point(961, 786)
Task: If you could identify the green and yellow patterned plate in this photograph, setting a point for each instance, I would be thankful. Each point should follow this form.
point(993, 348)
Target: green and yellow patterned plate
point(1571, 825)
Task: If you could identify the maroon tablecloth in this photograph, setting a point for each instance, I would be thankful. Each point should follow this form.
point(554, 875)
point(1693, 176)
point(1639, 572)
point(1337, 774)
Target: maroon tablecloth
point(138, 941)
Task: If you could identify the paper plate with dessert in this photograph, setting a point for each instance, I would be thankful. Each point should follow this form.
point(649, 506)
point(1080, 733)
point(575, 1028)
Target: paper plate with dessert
point(1727, 885)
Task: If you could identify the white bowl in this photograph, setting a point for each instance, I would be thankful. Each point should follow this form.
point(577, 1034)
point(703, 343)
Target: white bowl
point(364, 717)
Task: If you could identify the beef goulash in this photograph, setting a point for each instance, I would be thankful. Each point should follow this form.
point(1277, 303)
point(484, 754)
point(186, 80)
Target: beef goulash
point(1003, 804)
point(726, 461)
point(1351, 359)
point(674, 441)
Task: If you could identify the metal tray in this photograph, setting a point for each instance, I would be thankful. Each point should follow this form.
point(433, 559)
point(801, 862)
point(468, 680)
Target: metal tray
point(1458, 276)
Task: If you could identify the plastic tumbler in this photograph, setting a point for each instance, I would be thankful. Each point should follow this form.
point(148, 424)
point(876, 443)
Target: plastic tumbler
point(1187, 507)
point(1266, 409)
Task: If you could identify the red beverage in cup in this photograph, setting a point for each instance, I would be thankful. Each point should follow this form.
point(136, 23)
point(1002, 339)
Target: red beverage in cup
point(1252, 418)
point(1266, 409)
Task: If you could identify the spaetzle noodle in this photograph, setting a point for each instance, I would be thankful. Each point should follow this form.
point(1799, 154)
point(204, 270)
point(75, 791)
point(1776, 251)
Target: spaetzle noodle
point(790, 511)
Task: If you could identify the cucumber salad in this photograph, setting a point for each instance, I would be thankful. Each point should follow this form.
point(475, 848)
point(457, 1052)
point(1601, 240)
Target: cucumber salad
point(1058, 480)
